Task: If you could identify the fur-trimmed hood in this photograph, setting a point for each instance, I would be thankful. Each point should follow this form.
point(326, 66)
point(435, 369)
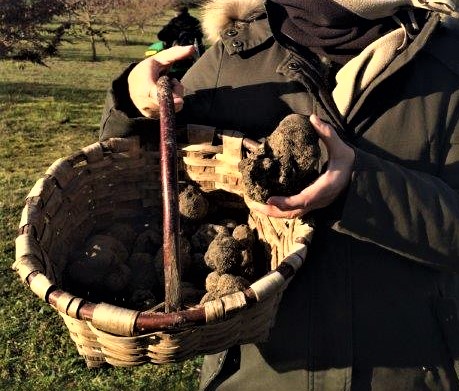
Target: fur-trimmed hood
point(218, 15)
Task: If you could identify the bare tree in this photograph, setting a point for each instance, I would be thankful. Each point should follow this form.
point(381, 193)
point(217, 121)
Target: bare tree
point(126, 14)
point(148, 11)
point(24, 31)
point(89, 16)
point(120, 17)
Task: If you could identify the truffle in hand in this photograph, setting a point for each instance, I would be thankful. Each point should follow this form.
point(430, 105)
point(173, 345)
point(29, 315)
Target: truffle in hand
point(286, 163)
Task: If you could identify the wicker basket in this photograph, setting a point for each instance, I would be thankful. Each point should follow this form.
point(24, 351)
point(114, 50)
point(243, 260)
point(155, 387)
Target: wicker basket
point(119, 179)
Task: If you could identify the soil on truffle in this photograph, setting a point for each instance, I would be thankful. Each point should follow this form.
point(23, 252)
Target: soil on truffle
point(285, 163)
point(192, 203)
point(224, 254)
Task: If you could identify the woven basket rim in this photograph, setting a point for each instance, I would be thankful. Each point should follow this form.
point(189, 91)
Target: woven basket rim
point(132, 322)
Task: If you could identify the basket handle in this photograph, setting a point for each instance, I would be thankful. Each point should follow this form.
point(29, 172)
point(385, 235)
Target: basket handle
point(169, 183)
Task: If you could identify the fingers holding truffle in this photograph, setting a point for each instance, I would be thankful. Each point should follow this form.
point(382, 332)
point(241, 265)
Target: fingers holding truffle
point(285, 163)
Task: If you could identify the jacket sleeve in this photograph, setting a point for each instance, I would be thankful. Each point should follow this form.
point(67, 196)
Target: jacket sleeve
point(410, 212)
point(406, 211)
point(120, 118)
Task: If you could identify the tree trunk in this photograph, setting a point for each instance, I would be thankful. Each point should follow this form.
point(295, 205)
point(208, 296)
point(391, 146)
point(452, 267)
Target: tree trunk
point(93, 47)
point(125, 37)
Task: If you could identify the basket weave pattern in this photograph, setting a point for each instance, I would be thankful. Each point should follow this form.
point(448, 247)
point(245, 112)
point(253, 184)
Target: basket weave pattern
point(119, 179)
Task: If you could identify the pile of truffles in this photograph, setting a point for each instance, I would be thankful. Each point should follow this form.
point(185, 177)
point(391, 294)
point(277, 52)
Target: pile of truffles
point(286, 162)
point(116, 265)
point(122, 266)
point(229, 256)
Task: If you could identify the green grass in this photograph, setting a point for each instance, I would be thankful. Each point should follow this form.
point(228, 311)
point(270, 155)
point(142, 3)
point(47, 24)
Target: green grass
point(47, 113)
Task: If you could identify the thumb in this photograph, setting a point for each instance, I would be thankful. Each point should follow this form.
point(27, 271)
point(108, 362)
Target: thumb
point(175, 53)
point(288, 203)
point(323, 129)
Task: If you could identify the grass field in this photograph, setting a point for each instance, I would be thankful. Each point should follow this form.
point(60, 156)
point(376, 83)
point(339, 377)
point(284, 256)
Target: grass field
point(47, 113)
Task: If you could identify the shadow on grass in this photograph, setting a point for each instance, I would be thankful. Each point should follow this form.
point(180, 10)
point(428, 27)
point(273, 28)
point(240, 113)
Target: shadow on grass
point(121, 59)
point(76, 55)
point(21, 92)
point(135, 42)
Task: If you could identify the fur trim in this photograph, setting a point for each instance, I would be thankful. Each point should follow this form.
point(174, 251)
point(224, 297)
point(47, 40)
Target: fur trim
point(218, 15)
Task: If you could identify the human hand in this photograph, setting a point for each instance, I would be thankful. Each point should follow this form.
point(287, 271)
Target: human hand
point(325, 189)
point(143, 77)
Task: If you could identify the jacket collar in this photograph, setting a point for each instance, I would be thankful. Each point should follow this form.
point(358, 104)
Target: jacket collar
point(247, 35)
point(419, 43)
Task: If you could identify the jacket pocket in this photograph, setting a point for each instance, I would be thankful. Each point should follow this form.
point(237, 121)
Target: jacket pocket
point(447, 314)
